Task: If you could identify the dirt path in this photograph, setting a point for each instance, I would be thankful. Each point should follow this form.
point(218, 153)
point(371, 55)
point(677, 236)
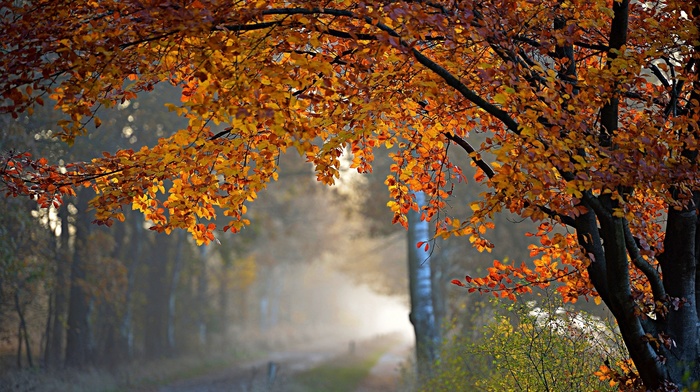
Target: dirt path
point(385, 376)
point(262, 375)
point(255, 376)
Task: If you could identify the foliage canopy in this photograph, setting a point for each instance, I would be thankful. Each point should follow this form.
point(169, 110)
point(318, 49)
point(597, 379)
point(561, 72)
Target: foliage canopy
point(589, 111)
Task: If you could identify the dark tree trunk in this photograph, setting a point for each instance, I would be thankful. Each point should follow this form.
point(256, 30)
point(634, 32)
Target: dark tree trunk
point(679, 266)
point(664, 348)
point(202, 299)
point(659, 365)
point(47, 331)
point(22, 334)
point(132, 261)
point(174, 280)
point(156, 328)
point(78, 336)
point(223, 314)
point(108, 310)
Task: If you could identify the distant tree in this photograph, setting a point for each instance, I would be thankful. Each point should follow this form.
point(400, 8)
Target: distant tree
point(590, 110)
point(24, 265)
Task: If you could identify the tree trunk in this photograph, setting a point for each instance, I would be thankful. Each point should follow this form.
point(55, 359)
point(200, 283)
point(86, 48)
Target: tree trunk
point(22, 334)
point(202, 300)
point(665, 347)
point(679, 266)
point(78, 337)
point(45, 339)
point(420, 285)
point(439, 289)
point(132, 262)
point(156, 328)
point(175, 279)
point(107, 354)
point(56, 340)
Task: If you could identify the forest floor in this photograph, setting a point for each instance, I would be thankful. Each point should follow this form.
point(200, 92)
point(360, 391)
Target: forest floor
point(370, 365)
point(373, 366)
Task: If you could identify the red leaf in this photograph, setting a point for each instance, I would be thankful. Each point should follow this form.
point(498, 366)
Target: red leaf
point(457, 282)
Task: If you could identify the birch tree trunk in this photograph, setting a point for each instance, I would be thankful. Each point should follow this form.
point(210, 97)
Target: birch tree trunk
point(421, 290)
point(55, 343)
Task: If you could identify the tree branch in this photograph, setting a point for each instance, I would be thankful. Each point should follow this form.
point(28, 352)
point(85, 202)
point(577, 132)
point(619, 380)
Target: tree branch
point(490, 173)
point(449, 78)
point(470, 95)
point(657, 287)
point(470, 150)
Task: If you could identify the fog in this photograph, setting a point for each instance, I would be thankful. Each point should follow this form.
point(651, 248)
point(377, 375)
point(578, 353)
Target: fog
point(307, 269)
point(317, 275)
point(317, 264)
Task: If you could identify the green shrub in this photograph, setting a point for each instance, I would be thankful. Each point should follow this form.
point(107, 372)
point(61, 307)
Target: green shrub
point(529, 347)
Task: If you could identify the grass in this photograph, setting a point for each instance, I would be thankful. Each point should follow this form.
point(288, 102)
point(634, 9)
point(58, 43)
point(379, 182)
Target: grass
point(342, 374)
point(167, 371)
point(139, 376)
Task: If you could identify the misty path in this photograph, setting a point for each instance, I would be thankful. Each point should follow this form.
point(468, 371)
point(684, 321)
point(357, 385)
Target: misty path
point(385, 376)
point(254, 376)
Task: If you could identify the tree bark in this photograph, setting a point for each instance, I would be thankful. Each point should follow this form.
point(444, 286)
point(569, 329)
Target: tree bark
point(420, 286)
point(678, 264)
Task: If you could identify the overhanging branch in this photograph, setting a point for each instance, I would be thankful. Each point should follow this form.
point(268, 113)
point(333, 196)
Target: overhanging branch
point(657, 287)
point(446, 75)
point(490, 173)
point(470, 150)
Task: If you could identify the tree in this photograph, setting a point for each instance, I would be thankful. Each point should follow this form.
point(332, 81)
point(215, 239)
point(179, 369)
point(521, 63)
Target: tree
point(589, 109)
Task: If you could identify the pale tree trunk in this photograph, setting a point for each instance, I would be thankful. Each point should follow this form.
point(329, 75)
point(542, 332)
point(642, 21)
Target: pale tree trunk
point(421, 290)
point(55, 342)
